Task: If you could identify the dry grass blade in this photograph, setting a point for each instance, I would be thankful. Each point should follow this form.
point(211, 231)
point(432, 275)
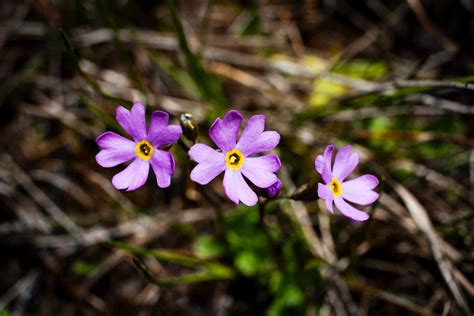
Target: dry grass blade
point(394, 299)
point(339, 291)
point(65, 184)
point(422, 220)
point(24, 284)
point(40, 197)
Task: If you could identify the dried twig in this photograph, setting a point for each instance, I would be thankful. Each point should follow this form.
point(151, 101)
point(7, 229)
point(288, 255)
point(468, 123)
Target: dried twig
point(422, 220)
point(22, 285)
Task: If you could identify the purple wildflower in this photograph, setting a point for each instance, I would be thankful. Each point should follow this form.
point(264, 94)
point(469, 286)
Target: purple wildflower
point(272, 191)
point(358, 190)
point(144, 149)
point(235, 157)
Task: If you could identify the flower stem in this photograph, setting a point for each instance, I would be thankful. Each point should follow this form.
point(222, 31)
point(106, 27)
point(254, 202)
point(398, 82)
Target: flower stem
point(211, 196)
point(273, 245)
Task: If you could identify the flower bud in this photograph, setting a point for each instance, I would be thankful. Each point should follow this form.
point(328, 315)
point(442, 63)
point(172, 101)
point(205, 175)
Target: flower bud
point(272, 191)
point(189, 126)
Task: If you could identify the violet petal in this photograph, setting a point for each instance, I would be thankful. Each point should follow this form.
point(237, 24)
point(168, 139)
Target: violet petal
point(211, 163)
point(111, 140)
point(328, 203)
point(132, 177)
point(319, 164)
point(205, 172)
point(115, 149)
point(204, 153)
point(160, 133)
point(163, 165)
point(254, 140)
point(260, 170)
point(350, 211)
point(112, 157)
point(327, 171)
point(359, 190)
point(324, 192)
point(346, 161)
point(224, 132)
point(237, 189)
point(133, 122)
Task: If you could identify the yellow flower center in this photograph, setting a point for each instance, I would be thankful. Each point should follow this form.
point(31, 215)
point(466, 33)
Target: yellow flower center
point(234, 159)
point(336, 187)
point(144, 149)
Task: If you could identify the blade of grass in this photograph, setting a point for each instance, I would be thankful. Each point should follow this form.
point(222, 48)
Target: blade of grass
point(92, 82)
point(160, 255)
point(101, 114)
point(170, 256)
point(209, 86)
point(205, 275)
point(422, 220)
point(181, 77)
point(106, 10)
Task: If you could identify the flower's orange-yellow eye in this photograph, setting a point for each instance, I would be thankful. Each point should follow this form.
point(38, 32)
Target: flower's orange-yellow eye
point(144, 149)
point(336, 187)
point(234, 159)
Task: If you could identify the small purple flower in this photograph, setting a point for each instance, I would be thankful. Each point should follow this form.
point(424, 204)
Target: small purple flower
point(235, 158)
point(358, 190)
point(144, 149)
point(272, 191)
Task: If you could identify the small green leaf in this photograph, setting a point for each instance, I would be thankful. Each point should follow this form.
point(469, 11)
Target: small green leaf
point(247, 263)
point(82, 267)
point(180, 76)
point(362, 68)
point(292, 295)
point(324, 90)
point(206, 246)
point(276, 279)
point(33, 65)
point(160, 255)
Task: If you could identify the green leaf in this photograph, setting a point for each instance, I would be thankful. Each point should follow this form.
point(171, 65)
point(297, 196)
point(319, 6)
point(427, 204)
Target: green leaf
point(276, 278)
point(206, 246)
point(33, 65)
point(160, 255)
point(324, 90)
point(247, 263)
point(82, 268)
point(175, 257)
point(362, 68)
point(249, 23)
point(292, 295)
point(181, 77)
point(212, 272)
point(381, 124)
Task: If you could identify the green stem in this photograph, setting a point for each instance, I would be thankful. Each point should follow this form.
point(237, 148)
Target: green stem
point(207, 274)
point(273, 246)
point(211, 196)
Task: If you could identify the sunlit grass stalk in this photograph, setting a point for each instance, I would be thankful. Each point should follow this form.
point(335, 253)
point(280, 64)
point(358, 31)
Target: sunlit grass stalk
point(209, 86)
point(121, 49)
point(91, 81)
point(206, 275)
point(208, 271)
